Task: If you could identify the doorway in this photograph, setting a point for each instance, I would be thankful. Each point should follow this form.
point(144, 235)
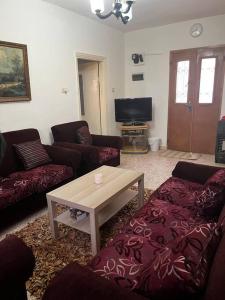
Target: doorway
point(195, 96)
point(89, 84)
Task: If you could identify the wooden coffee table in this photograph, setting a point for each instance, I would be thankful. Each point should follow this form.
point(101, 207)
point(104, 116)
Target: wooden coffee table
point(100, 201)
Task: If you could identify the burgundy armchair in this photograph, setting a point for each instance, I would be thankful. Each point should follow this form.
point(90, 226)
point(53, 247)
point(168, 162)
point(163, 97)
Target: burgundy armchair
point(18, 201)
point(104, 150)
point(16, 266)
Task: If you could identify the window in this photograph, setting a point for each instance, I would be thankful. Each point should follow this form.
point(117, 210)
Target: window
point(182, 81)
point(207, 78)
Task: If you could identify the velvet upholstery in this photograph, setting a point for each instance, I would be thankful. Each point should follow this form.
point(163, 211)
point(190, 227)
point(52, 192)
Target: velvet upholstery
point(20, 191)
point(72, 285)
point(44, 177)
point(84, 136)
point(11, 162)
point(16, 266)
point(32, 154)
point(67, 132)
point(194, 172)
point(65, 135)
point(145, 236)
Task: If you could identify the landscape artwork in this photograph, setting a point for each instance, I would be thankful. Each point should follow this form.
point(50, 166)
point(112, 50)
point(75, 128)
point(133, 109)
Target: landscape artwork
point(14, 73)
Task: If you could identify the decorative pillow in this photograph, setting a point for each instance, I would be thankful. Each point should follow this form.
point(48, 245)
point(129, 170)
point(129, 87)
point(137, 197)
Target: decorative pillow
point(182, 268)
point(210, 201)
point(162, 222)
point(84, 136)
point(178, 191)
point(32, 154)
point(217, 178)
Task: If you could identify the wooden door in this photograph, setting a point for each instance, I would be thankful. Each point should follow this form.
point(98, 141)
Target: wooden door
point(196, 85)
point(182, 77)
point(208, 98)
point(90, 107)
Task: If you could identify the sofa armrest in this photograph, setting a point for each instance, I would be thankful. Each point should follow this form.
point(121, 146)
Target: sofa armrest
point(75, 282)
point(16, 262)
point(194, 172)
point(107, 141)
point(88, 153)
point(64, 156)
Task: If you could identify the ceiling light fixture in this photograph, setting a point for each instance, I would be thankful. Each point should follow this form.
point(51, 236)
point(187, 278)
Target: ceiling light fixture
point(121, 9)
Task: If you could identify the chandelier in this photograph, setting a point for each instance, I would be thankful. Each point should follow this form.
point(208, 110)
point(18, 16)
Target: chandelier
point(120, 9)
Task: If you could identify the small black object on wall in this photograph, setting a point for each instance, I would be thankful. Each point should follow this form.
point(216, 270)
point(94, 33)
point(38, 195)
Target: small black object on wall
point(137, 58)
point(138, 77)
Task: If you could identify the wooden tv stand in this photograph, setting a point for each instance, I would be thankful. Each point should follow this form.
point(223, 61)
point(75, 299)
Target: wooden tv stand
point(135, 139)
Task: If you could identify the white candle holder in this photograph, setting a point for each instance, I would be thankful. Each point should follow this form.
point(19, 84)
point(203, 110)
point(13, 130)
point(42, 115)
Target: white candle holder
point(98, 178)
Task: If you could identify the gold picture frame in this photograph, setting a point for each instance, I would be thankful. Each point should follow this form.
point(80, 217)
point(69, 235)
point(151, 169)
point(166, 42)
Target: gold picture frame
point(14, 73)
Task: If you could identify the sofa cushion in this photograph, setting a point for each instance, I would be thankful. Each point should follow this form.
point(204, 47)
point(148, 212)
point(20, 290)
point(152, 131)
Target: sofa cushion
point(32, 154)
point(217, 178)
point(123, 258)
point(210, 200)
point(84, 136)
point(162, 221)
point(107, 153)
point(44, 177)
point(178, 191)
point(12, 190)
point(181, 269)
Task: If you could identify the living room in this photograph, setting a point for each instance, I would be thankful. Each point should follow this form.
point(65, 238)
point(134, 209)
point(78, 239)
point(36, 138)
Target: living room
point(56, 34)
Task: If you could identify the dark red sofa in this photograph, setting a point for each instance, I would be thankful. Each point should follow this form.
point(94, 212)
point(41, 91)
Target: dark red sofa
point(16, 266)
point(92, 156)
point(22, 192)
point(167, 226)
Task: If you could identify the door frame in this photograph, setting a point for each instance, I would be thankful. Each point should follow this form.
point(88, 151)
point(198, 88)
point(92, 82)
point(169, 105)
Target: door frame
point(103, 87)
point(170, 59)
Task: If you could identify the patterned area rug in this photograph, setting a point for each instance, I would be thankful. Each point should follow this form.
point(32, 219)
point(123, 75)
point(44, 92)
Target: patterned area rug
point(73, 245)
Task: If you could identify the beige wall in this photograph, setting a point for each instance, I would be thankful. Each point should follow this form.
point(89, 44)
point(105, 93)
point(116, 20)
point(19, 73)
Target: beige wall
point(156, 44)
point(53, 36)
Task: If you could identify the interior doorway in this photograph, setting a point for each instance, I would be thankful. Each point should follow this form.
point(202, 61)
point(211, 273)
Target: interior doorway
point(91, 79)
point(195, 96)
point(89, 84)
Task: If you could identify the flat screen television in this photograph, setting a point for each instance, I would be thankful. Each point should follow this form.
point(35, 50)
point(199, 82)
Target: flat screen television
point(133, 110)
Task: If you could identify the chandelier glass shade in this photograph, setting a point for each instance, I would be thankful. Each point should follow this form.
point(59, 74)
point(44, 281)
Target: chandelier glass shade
point(121, 9)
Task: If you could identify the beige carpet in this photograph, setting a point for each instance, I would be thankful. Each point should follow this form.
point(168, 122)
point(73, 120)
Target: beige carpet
point(73, 246)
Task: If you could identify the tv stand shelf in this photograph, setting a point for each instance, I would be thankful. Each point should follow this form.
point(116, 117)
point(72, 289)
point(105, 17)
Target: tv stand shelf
point(135, 139)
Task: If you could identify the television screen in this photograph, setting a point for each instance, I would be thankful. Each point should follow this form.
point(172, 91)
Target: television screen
point(133, 110)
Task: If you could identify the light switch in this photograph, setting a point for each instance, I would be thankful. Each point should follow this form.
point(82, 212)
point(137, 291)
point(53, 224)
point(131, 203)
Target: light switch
point(65, 91)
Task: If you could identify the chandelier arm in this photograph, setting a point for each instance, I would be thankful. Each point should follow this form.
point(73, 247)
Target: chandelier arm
point(98, 14)
point(129, 4)
point(124, 19)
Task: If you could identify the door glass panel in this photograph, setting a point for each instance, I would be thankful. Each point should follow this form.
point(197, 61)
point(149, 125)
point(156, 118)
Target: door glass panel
point(182, 81)
point(207, 78)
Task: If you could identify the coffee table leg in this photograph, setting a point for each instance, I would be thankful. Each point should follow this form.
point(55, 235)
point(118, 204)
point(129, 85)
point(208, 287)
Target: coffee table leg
point(52, 215)
point(141, 192)
point(95, 237)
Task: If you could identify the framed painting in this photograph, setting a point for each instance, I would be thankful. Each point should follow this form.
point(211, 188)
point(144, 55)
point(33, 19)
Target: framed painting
point(14, 73)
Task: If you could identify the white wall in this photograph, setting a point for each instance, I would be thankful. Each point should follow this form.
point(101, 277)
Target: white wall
point(53, 36)
point(156, 43)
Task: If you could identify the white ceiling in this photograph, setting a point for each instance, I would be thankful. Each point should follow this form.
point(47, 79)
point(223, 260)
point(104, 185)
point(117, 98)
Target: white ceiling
point(151, 13)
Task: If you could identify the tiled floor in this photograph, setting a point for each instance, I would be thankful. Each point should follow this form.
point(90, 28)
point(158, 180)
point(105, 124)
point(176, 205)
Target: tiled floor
point(157, 168)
